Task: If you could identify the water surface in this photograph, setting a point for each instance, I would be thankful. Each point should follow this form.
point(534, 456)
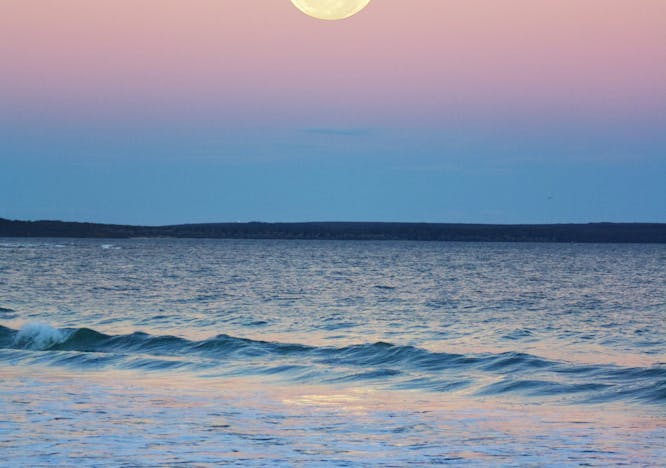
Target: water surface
point(153, 351)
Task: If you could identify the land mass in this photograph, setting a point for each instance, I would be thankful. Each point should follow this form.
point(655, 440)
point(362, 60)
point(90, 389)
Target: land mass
point(591, 232)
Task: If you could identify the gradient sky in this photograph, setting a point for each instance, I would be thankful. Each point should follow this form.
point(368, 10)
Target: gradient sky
point(169, 111)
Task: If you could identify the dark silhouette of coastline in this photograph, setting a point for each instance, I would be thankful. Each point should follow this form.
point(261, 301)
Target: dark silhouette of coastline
point(592, 232)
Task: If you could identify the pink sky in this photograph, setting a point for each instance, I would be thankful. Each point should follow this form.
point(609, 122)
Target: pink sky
point(439, 110)
point(397, 60)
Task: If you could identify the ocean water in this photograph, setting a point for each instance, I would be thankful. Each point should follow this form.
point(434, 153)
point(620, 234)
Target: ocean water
point(317, 353)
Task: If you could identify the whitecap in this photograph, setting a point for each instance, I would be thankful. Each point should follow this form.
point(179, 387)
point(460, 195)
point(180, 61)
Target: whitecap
point(38, 336)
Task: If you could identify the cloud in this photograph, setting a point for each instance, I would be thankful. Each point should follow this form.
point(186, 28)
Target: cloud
point(350, 132)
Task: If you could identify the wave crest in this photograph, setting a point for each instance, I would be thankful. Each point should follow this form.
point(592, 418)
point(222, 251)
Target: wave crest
point(381, 363)
point(39, 336)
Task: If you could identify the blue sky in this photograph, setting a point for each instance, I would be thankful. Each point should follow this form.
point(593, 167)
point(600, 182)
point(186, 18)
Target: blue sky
point(324, 175)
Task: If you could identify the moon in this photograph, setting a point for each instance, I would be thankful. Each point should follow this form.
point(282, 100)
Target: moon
point(330, 9)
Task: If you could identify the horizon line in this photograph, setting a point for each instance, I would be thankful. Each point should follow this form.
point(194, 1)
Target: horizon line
point(565, 223)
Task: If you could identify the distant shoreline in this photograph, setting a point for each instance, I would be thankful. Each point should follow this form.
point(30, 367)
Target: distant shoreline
point(582, 233)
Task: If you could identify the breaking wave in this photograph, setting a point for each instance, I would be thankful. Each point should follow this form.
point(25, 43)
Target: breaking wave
point(39, 336)
point(380, 363)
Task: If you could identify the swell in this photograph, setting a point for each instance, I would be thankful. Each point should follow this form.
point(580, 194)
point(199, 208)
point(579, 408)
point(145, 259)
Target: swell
point(381, 363)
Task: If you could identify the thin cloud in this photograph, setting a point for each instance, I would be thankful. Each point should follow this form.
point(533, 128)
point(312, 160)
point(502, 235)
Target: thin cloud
point(351, 132)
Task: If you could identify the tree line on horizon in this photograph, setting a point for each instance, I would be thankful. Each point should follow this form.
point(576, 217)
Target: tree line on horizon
point(591, 232)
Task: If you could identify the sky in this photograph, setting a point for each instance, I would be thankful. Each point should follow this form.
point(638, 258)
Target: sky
point(484, 111)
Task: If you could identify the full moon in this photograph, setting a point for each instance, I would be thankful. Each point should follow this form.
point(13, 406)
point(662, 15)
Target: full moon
point(330, 9)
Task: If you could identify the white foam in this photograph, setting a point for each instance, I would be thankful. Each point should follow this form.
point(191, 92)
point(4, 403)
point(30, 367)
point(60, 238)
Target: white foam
point(38, 336)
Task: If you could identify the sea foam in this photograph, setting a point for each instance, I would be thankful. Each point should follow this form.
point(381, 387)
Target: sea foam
point(38, 336)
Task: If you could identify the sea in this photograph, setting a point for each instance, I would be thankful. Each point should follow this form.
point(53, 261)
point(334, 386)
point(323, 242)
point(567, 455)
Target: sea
point(177, 352)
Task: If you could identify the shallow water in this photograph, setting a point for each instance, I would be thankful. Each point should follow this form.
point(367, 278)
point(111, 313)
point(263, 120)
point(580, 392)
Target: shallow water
point(284, 352)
